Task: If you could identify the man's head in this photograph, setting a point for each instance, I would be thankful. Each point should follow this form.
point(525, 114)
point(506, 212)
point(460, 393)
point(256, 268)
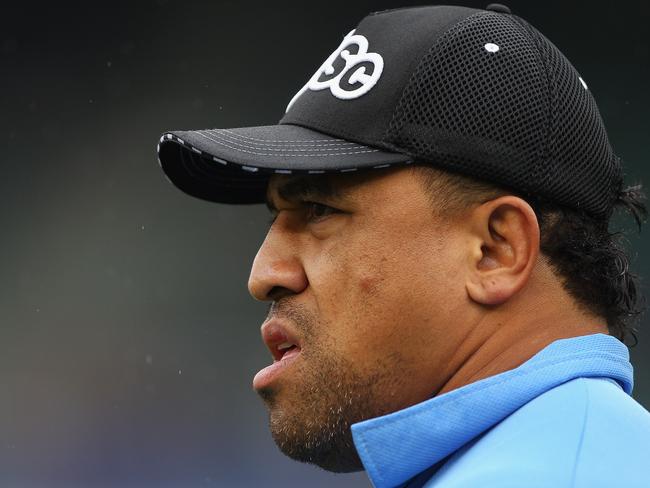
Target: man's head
point(391, 277)
point(388, 283)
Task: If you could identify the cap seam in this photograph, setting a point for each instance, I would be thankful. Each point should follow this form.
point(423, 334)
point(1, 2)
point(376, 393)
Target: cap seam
point(412, 7)
point(334, 132)
point(457, 27)
point(223, 140)
point(299, 151)
point(295, 142)
point(391, 10)
point(545, 153)
point(246, 142)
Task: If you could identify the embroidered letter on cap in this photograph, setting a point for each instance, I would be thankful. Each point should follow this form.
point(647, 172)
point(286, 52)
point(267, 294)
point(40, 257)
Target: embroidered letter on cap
point(354, 74)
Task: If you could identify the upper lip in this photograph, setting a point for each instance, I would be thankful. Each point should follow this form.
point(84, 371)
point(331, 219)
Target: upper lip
point(274, 334)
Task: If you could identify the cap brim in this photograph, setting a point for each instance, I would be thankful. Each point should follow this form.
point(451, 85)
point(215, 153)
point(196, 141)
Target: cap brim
point(234, 165)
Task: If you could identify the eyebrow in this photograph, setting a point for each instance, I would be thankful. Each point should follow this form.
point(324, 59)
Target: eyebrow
point(300, 188)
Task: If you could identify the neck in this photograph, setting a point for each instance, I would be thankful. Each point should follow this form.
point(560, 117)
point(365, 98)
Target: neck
point(503, 338)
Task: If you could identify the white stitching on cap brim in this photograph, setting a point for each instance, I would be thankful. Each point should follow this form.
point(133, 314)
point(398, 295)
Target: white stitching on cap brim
point(290, 146)
point(246, 148)
point(279, 142)
point(254, 169)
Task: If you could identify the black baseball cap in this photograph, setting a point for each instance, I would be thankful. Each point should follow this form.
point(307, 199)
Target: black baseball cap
point(477, 92)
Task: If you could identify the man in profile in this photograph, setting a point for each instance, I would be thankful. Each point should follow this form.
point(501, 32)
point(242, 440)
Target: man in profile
point(448, 306)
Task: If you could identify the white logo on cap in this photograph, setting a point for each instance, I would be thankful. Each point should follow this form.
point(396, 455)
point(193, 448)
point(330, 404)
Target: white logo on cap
point(356, 65)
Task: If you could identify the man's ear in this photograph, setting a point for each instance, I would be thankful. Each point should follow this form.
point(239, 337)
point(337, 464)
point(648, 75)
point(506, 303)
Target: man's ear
point(504, 247)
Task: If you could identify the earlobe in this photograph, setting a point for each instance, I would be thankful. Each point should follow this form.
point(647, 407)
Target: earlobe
point(505, 249)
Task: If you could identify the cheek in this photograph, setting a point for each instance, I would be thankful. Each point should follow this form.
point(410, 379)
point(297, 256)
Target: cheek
point(370, 284)
point(380, 299)
point(376, 298)
point(348, 289)
point(400, 302)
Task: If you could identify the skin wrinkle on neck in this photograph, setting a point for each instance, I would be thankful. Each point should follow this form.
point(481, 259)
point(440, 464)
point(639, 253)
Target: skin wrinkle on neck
point(509, 339)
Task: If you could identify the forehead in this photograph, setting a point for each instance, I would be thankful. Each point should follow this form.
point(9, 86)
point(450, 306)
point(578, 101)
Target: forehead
point(298, 187)
point(366, 185)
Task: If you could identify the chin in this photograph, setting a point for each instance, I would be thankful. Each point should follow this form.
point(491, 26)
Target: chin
point(329, 446)
point(333, 461)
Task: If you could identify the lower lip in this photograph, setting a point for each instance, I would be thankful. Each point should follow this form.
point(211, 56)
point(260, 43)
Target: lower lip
point(266, 376)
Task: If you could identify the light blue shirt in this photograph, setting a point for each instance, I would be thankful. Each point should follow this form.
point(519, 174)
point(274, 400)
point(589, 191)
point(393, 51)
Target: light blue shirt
point(564, 418)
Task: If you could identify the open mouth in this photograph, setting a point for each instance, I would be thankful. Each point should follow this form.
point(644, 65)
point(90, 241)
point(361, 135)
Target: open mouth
point(285, 351)
point(280, 340)
point(284, 348)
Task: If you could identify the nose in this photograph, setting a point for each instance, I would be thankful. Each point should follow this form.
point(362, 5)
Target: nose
point(277, 270)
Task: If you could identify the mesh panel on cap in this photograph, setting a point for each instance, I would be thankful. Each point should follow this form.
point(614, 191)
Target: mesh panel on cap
point(578, 140)
point(517, 115)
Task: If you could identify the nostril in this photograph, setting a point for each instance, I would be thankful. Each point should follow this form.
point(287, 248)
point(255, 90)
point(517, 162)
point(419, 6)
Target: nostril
point(278, 292)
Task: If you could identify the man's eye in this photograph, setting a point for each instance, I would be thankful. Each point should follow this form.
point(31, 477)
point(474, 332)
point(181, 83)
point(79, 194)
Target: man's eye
point(313, 212)
point(318, 211)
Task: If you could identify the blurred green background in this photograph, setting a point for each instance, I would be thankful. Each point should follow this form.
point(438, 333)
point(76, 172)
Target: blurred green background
point(128, 341)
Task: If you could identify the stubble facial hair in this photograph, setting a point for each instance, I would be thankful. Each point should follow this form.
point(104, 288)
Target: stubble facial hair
point(310, 418)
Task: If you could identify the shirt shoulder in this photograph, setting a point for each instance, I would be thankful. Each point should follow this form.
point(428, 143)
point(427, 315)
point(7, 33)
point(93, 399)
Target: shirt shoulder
point(586, 432)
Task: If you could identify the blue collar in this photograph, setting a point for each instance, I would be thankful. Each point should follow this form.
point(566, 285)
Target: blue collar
point(398, 446)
